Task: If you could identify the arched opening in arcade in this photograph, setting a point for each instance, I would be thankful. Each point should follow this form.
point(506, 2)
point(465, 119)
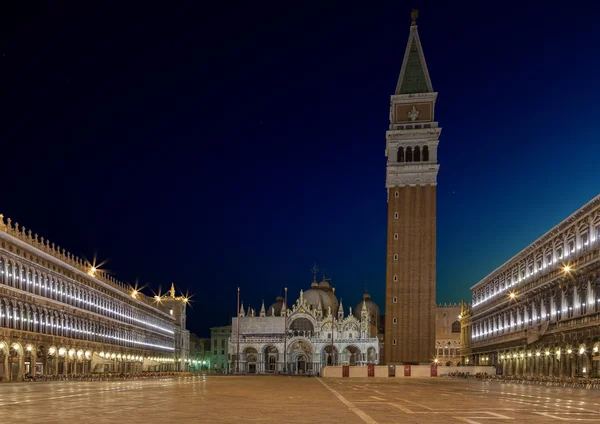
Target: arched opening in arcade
point(351, 355)
point(330, 354)
point(371, 355)
point(271, 354)
point(300, 354)
point(3, 360)
point(15, 355)
point(251, 359)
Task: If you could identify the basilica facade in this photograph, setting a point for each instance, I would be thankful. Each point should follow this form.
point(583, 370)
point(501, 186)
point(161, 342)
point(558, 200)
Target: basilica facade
point(311, 334)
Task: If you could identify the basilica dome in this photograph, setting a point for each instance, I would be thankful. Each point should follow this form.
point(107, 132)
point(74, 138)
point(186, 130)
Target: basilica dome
point(277, 306)
point(372, 307)
point(330, 292)
point(314, 295)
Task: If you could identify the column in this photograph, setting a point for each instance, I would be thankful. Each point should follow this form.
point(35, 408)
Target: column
point(6, 368)
point(21, 365)
point(588, 364)
point(561, 366)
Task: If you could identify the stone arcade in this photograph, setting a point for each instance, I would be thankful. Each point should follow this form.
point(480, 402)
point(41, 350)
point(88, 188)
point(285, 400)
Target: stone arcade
point(61, 316)
point(539, 313)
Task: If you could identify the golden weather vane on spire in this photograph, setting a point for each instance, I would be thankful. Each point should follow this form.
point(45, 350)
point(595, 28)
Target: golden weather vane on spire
point(414, 15)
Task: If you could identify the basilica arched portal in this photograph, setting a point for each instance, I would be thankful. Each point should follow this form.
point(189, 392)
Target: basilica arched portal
point(300, 354)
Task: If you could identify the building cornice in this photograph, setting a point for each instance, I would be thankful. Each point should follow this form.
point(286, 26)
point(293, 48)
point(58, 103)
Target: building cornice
point(561, 226)
point(121, 295)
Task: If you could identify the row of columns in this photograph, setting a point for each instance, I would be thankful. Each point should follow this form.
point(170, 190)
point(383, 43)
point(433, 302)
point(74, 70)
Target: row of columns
point(547, 363)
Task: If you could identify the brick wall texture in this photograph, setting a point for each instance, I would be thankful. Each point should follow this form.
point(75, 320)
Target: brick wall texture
point(414, 310)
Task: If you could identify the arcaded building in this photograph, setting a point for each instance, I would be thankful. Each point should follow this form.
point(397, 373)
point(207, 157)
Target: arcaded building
point(62, 316)
point(539, 312)
point(411, 179)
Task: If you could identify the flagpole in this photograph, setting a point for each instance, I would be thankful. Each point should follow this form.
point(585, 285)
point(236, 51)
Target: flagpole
point(332, 331)
point(285, 334)
point(332, 351)
point(237, 366)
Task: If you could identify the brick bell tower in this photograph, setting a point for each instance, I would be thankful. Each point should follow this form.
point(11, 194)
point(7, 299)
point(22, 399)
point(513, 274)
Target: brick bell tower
point(411, 179)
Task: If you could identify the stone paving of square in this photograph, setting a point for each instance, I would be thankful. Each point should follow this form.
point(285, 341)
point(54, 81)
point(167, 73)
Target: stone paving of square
point(279, 399)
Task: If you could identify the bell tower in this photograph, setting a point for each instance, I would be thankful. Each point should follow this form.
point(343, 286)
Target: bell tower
point(411, 178)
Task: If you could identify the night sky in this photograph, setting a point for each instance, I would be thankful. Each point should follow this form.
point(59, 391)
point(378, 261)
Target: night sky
point(235, 145)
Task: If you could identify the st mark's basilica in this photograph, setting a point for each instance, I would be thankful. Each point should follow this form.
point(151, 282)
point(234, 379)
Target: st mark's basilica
point(315, 331)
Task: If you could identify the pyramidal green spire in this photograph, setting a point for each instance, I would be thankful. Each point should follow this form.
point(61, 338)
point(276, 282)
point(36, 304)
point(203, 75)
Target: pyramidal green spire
point(414, 77)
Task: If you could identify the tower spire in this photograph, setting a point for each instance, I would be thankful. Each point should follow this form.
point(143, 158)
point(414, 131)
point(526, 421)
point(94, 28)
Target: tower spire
point(414, 76)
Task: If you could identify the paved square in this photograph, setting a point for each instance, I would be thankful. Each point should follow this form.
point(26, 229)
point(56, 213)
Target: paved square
point(276, 399)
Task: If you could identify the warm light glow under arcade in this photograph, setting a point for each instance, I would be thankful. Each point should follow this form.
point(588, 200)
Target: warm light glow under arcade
point(567, 268)
point(512, 295)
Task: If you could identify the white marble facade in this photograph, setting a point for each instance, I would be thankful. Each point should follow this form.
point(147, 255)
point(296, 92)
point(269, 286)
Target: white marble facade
point(307, 332)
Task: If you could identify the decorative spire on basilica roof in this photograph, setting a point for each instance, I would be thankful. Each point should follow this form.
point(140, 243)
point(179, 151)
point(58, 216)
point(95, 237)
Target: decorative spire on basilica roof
point(262, 309)
point(242, 313)
point(314, 270)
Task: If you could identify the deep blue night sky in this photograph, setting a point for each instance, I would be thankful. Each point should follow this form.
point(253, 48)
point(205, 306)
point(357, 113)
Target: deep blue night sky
point(217, 147)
